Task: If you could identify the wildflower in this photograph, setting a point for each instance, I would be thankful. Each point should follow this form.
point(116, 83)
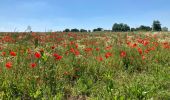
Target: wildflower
point(147, 51)
point(97, 49)
point(53, 47)
point(55, 54)
point(152, 48)
point(33, 65)
point(123, 54)
point(128, 43)
point(145, 42)
point(108, 48)
point(77, 52)
point(100, 58)
point(76, 45)
point(143, 57)
point(140, 51)
point(108, 54)
point(8, 65)
point(88, 49)
point(57, 57)
point(71, 42)
point(3, 53)
point(72, 50)
point(12, 53)
point(134, 45)
point(37, 55)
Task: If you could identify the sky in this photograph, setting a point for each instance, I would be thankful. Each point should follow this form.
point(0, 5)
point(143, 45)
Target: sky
point(56, 15)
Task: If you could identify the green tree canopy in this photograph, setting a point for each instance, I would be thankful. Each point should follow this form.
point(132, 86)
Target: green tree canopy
point(66, 30)
point(156, 25)
point(120, 27)
point(74, 30)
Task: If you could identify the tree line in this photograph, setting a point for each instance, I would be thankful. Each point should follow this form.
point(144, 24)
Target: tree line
point(121, 27)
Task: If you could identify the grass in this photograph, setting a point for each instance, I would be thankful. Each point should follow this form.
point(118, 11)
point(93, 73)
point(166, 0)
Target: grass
point(78, 66)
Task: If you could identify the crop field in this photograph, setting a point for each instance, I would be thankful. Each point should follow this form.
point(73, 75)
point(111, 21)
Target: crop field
point(85, 66)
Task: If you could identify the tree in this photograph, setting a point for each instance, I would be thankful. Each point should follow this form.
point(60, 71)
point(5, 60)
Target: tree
point(98, 29)
point(94, 30)
point(126, 27)
point(120, 27)
point(74, 30)
point(133, 29)
point(165, 29)
point(144, 28)
point(156, 25)
point(66, 30)
point(83, 30)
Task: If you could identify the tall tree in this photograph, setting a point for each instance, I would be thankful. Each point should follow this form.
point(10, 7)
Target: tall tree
point(156, 25)
point(66, 30)
point(120, 27)
point(144, 28)
point(98, 29)
point(74, 30)
point(83, 30)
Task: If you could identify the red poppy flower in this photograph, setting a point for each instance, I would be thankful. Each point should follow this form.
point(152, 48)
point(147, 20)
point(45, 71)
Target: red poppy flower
point(3, 53)
point(33, 65)
point(108, 48)
point(108, 54)
point(123, 54)
point(145, 42)
point(8, 65)
point(72, 50)
point(140, 51)
point(88, 49)
point(53, 47)
point(12, 53)
point(71, 42)
point(143, 57)
point(37, 55)
point(134, 45)
point(57, 57)
point(77, 52)
point(100, 58)
point(55, 54)
point(76, 45)
point(97, 49)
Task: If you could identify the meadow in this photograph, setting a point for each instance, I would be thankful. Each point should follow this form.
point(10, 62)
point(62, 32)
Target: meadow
point(85, 66)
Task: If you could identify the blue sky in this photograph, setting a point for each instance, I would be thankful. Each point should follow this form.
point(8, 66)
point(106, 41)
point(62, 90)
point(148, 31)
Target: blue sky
point(44, 15)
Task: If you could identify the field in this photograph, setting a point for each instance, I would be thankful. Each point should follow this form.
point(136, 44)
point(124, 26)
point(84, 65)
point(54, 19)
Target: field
point(85, 66)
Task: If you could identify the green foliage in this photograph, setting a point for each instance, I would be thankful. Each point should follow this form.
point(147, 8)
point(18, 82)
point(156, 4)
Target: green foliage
point(66, 30)
point(120, 27)
point(142, 28)
point(74, 30)
point(156, 25)
point(98, 30)
point(83, 30)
